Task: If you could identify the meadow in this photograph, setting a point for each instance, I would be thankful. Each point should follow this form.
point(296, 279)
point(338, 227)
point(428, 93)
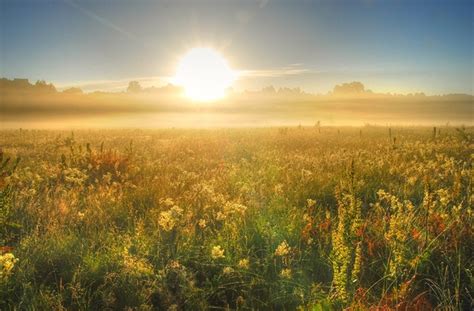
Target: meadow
point(309, 218)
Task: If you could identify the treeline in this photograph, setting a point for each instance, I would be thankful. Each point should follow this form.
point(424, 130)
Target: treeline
point(23, 85)
point(354, 89)
point(347, 103)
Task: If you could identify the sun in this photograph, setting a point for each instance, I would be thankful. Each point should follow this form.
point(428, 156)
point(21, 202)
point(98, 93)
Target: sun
point(204, 74)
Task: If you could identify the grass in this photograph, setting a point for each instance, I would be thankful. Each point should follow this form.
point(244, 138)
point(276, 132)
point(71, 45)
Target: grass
point(308, 218)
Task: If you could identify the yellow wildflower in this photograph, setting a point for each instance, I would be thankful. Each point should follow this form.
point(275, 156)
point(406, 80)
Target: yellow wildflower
point(202, 223)
point(244, 263)
point(166, 221)
point(174, 264)
point(80, 215)
point(217, 252)
point(283, 249)
point(286, 273)
point(169, 219)
point(228, 270)
point(7, 262)
point(168, 202)
point(220, 216)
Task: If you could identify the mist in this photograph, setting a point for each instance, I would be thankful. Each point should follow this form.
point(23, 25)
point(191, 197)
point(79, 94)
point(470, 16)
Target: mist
point(41, 105)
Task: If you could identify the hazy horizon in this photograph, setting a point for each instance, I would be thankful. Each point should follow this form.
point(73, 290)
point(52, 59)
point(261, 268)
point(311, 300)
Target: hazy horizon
point(40, 105)
point(226, 63)
point(120, 86)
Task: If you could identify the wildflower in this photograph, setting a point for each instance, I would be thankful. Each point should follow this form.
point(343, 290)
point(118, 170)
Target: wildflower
point(80, 215)
point(74, 176)
point(346, 247)
point(278, 189)
point(235, 208)
point(217, 252)
point(220, 216)
point(283, 249)
point(444, 197)
point(228, 270)
point(202, 223)
point(412, 180)
point(178, 211)
point(285, 273)
point(244, 263)
point(174, 264)
point(7, 262)
point(415, 261)
point(416, 234)
point(166, 221)
point(310, 203)
point(168, 202)
point(307, 218)
point(169, 219)
point(137, 266)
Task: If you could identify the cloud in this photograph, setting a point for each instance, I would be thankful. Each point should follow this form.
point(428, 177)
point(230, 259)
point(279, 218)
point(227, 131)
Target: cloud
point(114, 85)
point(291, 70)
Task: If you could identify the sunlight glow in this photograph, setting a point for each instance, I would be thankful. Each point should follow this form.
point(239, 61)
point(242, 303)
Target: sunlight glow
point(204, 74)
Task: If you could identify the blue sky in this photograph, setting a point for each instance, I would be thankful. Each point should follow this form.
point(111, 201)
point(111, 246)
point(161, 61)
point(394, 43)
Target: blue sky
point(390, 46)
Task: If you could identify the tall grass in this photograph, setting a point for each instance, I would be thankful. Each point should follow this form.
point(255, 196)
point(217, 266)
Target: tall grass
point(310, 218)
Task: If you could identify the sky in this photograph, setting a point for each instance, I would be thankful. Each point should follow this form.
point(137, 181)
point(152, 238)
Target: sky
point(391, 46)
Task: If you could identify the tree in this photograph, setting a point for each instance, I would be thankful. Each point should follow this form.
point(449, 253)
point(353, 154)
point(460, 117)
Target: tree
point(73, 90)
point(349, 88)
point(42, 86)
point(134, 87)
point(15, 84)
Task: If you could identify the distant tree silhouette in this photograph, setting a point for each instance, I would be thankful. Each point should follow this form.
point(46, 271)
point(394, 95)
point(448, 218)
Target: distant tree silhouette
point(269, 90)
point(134, 87)
point(15, 84)
point(23, 85)
point(290, 91)
point(349, 88)
point(42, 86)
point(73, 90)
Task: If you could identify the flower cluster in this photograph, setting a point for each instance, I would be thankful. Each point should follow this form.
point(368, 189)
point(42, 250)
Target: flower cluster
point(7, 263)
point(169, 219)
point(217, 252)
point(283, 249)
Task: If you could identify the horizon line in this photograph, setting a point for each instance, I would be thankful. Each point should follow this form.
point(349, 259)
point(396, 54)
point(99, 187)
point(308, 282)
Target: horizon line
point(122, 84)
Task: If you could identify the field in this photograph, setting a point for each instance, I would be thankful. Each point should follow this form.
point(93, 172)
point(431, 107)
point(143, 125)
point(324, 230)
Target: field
point(316, 218)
